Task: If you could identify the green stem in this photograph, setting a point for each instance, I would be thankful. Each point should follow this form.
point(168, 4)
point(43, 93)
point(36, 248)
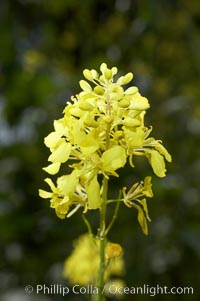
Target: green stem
point(87, 225)
point(102, 230)
point(102, 242)
point(115, 214)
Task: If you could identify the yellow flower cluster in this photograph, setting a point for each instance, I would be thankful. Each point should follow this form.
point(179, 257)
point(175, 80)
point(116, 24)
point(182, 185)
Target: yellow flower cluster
point(102, 129)
point(78, 267)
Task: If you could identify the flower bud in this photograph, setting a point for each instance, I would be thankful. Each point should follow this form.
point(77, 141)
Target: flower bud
point(124, 103)
point(116, 92)
point(99, 90)
point(88, 75)
point(127, 78)
point(86, 106)
point(85, 86)
point(103, 67)
point(114, 70)
point(131, 122)
point(108, 74)
point(94, 74)
point(123, 80)
point(108, 119)
point(118, 135)
point(113, 250)
point(131, 90)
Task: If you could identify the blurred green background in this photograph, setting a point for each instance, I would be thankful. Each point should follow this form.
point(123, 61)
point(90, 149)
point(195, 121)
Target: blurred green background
point(44, 46)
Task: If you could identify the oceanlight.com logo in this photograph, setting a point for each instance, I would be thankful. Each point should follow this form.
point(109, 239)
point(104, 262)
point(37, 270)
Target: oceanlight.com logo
point(150, 290)
point(58, 289)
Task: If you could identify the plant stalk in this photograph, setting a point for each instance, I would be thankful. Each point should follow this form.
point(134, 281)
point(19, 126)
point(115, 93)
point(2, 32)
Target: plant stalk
point(102, 243)
point(102, 230)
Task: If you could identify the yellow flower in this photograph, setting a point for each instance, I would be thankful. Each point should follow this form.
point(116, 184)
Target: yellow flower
point(63, 196)
point(101, 130)
point(113, 159)
point(78, 267)
point(60, 203)
point(133, 199)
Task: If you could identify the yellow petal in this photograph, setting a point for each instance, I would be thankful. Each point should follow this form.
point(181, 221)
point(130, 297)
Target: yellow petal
point(134, 138)
point(93, 194)
point(51, 184)
point(113, 158)
point(162, 150)
point(157, 162)
point(52, 169)
point(67, 184)
point(52, 139)
point(147, 187)
point(61, 154)
point(45, 194)
point(63, 206)
point(59, 126)
point(139, 103)
point(142, 219)
point(131, 122)
point(145, 208)
point(89, 143)
point(60, 215)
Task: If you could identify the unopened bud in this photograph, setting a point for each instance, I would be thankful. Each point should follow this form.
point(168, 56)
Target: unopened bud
point(108, 74)
point(131, 122)
point(124, 103)
point(113, 250)
point(88, 75)
point(85, 106)
point(99, 90)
